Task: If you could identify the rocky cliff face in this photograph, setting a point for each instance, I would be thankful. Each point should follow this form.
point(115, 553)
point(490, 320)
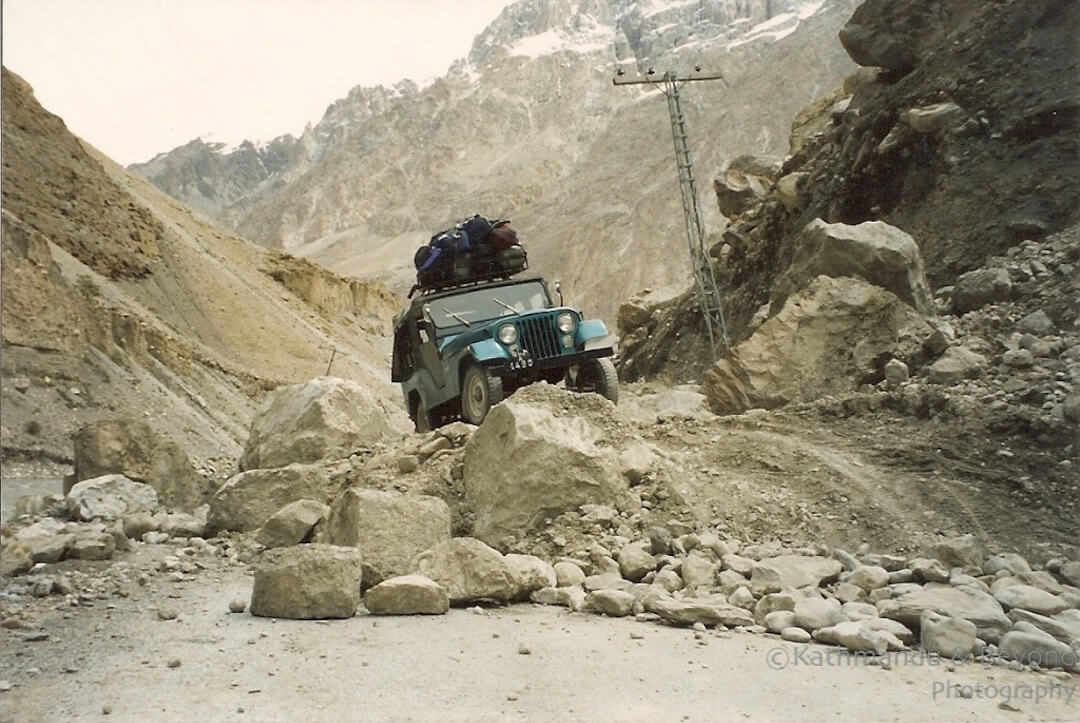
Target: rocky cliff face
point(118, 302)
point(962, 131)
point(529, 127)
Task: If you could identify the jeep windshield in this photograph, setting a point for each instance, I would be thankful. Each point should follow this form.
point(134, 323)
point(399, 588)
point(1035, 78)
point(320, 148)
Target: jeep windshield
point(484, 304)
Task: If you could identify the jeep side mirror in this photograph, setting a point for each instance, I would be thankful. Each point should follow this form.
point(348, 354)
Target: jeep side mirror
point(558, 290)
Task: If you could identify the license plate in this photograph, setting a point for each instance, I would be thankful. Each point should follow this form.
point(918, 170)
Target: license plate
point(521, 364)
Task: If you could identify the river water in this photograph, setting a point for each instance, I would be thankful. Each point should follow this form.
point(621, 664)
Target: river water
point(12, 488)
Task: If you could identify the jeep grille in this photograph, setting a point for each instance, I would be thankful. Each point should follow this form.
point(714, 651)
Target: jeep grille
point(539, 336)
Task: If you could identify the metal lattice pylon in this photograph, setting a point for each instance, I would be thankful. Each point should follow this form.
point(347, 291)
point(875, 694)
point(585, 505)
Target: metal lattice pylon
point(708, 291)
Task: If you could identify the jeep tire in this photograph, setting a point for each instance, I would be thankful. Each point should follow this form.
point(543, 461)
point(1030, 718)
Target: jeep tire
point(480, 391)
point(422, 418)
point(606, 379)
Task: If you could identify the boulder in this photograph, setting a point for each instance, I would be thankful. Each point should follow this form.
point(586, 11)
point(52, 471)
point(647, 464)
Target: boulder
point(778, 621)
point(858, 638)
point(1035, 646)
point(567, 597)
point(1027, 597)
point(868, 577)
point(247, 500)
point(1063, 626)
point(92, 545)
point(697, 571)
point(407, 595)
point(326, 418)
point(813, 613)
point(793, 634)
point(709, 611)
point(635, 562)
point(965, 603)
point(773, 602)
point(1070, 572)
point(568, 574)
point(935, 118)
point(745, 183)
point(948, 637)
point(531, 573)
point(1037, 323)
point(616, 603)
point(955, 365)
point(524, 465)
point(182, 524)
point(962, 551)
point(15, 559)
point(1009, 561)
point(109, 497)
point(391, 528)
point(132, 449)
point(894, 628)
point(876, 37)
point(873, 251)
point(468, 570)
point(828, 338)
point(789, 190)
point(292, 524)
point(307, 582)
point(47, 540)
point(978, 288)
point(784, 572)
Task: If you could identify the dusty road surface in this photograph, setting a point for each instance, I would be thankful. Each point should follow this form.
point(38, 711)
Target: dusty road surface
point(114, 654)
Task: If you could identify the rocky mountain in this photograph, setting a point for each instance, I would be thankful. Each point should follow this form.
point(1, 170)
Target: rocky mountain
point(529, 127)
point(961, 129)
point(119, 303)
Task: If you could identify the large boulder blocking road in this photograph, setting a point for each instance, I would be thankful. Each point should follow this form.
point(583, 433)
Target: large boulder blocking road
point(325, 419)
point(308, 582)
point(390, 528)
point(525, 465)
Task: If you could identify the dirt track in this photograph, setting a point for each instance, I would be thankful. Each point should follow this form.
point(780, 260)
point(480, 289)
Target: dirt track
point(463, 666)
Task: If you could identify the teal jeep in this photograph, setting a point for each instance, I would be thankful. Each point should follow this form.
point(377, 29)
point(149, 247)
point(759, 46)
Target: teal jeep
point(458, 351)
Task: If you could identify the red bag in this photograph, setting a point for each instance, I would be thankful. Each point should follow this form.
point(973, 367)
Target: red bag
point(502, 236)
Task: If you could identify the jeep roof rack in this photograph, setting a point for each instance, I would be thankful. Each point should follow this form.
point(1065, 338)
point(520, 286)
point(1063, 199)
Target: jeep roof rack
point(476, 280)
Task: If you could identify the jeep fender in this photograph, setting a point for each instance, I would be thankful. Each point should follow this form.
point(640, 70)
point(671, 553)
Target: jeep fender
point(593, 334)
point(488, 351)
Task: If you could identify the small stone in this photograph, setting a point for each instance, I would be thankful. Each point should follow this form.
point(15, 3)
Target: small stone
point(795, 635)
point(106, 709)
point(698, 627)
point(409, 462)
point(174, 662)
point(237, 605)
point(1037, 323)
point(896, 372)
point(167, 613)
point(523, 649)
point(635, 635)
point(5, 685)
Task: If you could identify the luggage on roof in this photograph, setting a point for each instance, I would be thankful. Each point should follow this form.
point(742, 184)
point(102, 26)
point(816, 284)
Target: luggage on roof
point(476, 249)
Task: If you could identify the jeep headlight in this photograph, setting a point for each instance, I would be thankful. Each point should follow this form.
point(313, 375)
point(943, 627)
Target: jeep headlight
point(508, 334)
point(565, 323)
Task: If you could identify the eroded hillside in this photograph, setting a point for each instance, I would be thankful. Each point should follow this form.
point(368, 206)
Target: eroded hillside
point(118, 302)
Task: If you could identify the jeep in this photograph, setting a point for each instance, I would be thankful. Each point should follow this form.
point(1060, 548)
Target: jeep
point(458, 351)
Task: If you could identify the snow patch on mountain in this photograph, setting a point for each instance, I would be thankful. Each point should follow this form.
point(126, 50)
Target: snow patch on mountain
point(779, 26)
point(588, 37)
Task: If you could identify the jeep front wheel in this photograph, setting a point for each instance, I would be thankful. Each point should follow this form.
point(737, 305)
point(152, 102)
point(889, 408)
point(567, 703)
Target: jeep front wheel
point(480, 390)
point(607, 379)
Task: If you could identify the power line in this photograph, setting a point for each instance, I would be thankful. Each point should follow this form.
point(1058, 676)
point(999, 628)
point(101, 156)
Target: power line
point(708, 291)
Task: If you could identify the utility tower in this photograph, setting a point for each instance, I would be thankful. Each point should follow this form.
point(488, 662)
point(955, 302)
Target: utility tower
point(704, 276)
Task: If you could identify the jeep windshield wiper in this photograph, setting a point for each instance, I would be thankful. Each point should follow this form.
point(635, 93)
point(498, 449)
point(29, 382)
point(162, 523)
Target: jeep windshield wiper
point(504, 305)
point(456, 316)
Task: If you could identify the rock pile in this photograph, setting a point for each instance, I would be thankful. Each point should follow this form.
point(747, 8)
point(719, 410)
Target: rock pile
point(962, 605)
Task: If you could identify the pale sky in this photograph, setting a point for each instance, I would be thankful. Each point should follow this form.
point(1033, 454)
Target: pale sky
point(140, 77)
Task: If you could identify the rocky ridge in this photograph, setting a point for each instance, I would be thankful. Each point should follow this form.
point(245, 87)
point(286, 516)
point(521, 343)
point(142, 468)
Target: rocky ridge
point(118, 303)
